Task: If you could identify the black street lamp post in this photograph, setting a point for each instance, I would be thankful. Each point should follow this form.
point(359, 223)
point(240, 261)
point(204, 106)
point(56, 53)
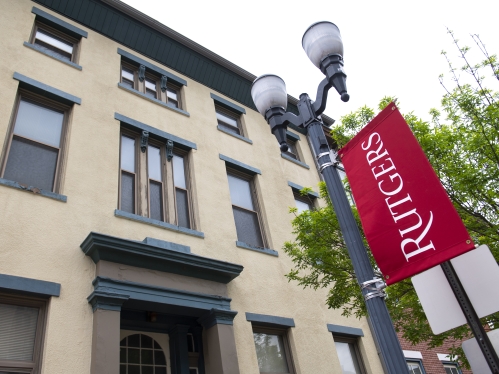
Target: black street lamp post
point(323, 45)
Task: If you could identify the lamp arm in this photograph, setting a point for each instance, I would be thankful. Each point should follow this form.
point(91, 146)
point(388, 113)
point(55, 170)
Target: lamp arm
point(292, 118)
point(320, 103)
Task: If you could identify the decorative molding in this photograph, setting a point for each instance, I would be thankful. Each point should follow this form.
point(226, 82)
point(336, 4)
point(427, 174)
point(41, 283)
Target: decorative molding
point(29, 285)
point(345, 331)
point(164, 81)
point(51, 54)
point(271, 321)
point(240, 137)
point(227, 104)
point(298, 188)
point(167, 245)
point(412, 354)
point(151, 256)
point(107, 300)
point(133, 291)
point(217, 317)
point(154, 132)
point(302, 164)
point(34, 190)
point(142, 72)
point(143, 63)
point(239, 165)
point(59, 24)
point(169, 150)
point(267, 251)
point(158, 223)
point(46, 90)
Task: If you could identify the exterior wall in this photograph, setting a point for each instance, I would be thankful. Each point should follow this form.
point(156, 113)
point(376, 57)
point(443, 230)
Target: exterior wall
point(41, 236)
point(431, 362)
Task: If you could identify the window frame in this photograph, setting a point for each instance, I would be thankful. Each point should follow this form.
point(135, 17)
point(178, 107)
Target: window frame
point(33, 367)
point(453, 364)
point(355, 343)
point(292, 144)
point(231, 114)
point(255, 200)
point(304, 199)
point(287, 348)
point(56, 106)
point(75, 55)
point(142, 204)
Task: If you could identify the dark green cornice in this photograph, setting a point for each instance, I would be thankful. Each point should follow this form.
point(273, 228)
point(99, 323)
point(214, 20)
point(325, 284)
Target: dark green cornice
point(139, 254)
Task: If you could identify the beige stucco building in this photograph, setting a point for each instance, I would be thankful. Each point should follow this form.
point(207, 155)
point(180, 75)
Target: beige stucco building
point(144, 203)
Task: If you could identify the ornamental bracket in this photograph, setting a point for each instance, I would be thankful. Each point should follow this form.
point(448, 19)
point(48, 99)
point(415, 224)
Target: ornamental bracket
point(143, 141)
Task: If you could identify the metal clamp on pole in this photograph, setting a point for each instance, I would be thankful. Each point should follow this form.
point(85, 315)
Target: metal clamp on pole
point(326, 164)
point(376, 286)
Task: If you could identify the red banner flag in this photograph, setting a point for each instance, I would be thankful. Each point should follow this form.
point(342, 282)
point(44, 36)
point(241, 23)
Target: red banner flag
point(408, 219)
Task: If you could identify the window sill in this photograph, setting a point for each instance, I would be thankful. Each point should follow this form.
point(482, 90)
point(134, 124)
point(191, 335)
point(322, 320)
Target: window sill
point(34, 190)
point(235, 135)
point(155, 101)
point(53, 55)
point(257, 249)
point(157, 223)
point(303, 165)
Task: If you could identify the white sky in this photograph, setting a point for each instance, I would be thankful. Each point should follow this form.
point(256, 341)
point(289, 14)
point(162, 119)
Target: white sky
point(391, 47)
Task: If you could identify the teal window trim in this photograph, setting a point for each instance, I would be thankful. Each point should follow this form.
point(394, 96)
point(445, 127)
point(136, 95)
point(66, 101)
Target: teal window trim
point(267, 251)
point(239, 165)
point(302, 164)
point(11, 283)
point(157, 223)
point(167, 245)
point(166, 258)
point(227, 104)
point(46, 90)
point(155, 101)
point(51, 54)
point(298, 188)
point(59, 24)
point(351, 332)
point(419, 362)
point(271, 321)
point(240, 137)
point(127, 56)
point(154, 132)
point(34, 190)
point(453, 363)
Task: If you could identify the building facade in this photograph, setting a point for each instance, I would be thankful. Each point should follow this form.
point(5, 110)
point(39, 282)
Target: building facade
point(144, 204)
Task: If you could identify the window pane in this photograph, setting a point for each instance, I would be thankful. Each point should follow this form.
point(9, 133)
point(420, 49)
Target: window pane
point(182, 208)
point(270, 353)
point(31, 163)
point(154, 162)
point(39, 123)
point(54, 41)
point(127, 74)
point(302, 206)
point(172, 94)
point(228, 128)
point(179, 172)
point(226, 119)
point(17, 332)
point(127, 193)
point(128, 154)
point(248, 230)
point(151, 85)
point(156, 200)
point(347, 358)
point(240, 192)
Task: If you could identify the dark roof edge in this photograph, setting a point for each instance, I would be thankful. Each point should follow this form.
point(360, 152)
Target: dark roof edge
point(151, 22)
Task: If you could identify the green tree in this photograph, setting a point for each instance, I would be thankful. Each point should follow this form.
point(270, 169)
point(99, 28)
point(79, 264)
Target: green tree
point(462, 143)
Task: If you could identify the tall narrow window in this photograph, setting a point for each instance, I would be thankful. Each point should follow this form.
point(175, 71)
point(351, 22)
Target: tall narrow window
point(150, 88)
point(181, 192)
point(156, 193)
point(292, 151)
point(172, 96)
point(128, 174)
point(302, 203)
point(349, 355)
point(127, 77)
point(34, 151)
point(272, 351)
point(228, 121)
point(244, 210)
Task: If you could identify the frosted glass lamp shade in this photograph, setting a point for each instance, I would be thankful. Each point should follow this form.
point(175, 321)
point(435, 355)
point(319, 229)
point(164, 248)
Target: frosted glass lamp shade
point(268, 91)
point(320, 40)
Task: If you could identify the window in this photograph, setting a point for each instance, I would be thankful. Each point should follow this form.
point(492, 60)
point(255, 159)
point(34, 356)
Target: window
point(452, 369)
point(55, 42)
point(140, 353)
point(245, 209)
point(35, 148)
point(228, 121)
point(349, 355)
point(292, 151)
point(414, 367)
point(303, 203)
point(165, 195)
point(272, 351)
point(22, 324)
point(150, 85)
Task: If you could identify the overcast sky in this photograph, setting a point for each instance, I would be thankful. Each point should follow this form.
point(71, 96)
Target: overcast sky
point(391, 47)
